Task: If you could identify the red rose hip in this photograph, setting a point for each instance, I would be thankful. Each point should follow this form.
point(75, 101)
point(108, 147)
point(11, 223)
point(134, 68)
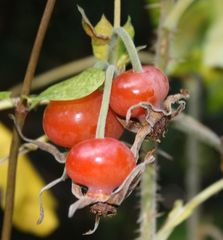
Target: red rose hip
point(100, 164)
point(69, 122)
point(129, 88)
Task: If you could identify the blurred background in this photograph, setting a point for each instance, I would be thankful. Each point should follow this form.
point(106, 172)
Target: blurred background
point(196, 63)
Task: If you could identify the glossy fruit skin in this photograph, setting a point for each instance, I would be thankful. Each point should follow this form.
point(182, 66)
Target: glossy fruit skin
point(130, 88)
point(69, 122)
point(100, 164)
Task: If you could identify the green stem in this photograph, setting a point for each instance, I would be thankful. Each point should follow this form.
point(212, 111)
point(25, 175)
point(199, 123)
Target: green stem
point(148, 204)
point(100, 132)
point(133, 55)
point(197, 130)
point(180, 213)
point(21, 112)
point(164, 37)
point(117, 13)
point(8, 103)
point(192, 151)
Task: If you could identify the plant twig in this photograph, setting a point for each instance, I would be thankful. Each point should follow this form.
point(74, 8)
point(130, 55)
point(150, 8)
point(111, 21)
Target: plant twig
point(117, 13)
point(58, 73)
point(21, 112)
point(26, 148)
point(8, 103)
point(164, 37)
point(190, 126)
point(192, 152)
point(100, 132)
point(180, 213)
point(148, 201)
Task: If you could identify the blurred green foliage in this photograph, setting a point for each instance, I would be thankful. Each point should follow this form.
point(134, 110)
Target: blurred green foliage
point(197, 47)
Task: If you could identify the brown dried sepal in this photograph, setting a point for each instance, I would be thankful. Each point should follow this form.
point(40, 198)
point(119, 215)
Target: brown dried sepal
point(103, 209)
point(156, 119)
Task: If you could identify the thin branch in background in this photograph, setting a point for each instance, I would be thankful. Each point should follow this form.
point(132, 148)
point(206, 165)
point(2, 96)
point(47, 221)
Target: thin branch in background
point(193, 156)
point(190, 126)
point(176, 13)
point(26, 148)
point(152, 5)
point(209, 230)
point(117, 13)
point(182, 212)
point(21, 112)
point(58, 73)
point(164, 37)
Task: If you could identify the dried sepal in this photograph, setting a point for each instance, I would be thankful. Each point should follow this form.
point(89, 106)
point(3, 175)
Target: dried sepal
point(125, 189)
point(76, 191)
point(47, 187)
point(81, 203)
point(103, 209)
point(96, 224)
point(47, 147)
point(139, 138)
point(132, 126)
point(156, 119)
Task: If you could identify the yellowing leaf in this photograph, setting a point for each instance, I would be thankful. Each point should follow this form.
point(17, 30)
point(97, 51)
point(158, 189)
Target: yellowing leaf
point(100, 37)
point(101, 49)
point(28, 185)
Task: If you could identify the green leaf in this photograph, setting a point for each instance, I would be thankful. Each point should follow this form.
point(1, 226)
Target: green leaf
point(5, 95)
point(74, 88)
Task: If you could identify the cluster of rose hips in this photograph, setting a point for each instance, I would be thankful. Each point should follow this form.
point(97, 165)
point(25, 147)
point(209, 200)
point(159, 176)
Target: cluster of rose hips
point(102, 164)
point(105, 166)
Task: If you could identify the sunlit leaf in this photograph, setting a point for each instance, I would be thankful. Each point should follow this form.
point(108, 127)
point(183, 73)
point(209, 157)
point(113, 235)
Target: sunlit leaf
point(28, 185)
point(74, 88)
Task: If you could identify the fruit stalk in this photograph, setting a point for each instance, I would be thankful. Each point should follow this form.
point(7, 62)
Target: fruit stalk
point(132, 52)
point(100, 131)
point(117, 13)
point(21, 112)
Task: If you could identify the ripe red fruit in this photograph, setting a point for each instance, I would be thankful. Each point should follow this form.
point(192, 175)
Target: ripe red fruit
point(130, 88)
point(69, 122)
point(99, 164)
